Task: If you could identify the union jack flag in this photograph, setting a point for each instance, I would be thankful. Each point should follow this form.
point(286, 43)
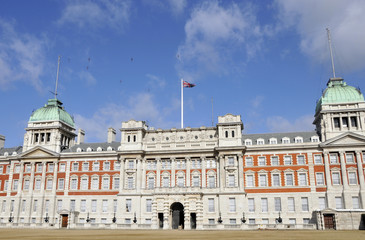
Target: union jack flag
point(188, 85)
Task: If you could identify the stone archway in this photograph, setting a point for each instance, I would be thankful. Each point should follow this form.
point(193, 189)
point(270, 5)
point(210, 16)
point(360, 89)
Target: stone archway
point(177, 215)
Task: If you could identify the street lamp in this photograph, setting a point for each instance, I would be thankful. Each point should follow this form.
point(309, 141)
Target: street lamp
point(11, 218)
point(279, 219)
point(46, 219)
point(243, 219)
point(220, 218)
point(114, 219)
point(135, 218)
point(87, 218)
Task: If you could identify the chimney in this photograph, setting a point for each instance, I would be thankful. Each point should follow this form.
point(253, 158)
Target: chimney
point(80, 136)
point(2, 141)
point(111, 135)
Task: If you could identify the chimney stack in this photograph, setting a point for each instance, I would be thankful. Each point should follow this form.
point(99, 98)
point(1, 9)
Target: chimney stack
point(111, 135)
point(80, 136)
point(2, 141)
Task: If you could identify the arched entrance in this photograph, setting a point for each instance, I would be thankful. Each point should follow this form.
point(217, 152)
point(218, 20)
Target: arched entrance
point(177, 213)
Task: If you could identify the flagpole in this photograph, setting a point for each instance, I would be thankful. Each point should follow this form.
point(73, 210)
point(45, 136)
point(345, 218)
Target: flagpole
point(182, 104)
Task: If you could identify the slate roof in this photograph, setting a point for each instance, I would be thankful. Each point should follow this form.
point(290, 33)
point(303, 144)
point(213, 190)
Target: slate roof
point(10, 151)
point(291, 135)
point(93, 146)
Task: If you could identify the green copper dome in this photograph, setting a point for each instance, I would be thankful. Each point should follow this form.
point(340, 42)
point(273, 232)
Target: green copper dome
point(338, 91)
point(52, 111)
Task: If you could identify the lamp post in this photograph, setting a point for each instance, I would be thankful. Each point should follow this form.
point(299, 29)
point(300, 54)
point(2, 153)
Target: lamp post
point(114, 220)
point(243, 219)
point(46, 219)
point(220, 218)
point(87, 218)
point(11, 218)
point(135, 218)
point(279, 219)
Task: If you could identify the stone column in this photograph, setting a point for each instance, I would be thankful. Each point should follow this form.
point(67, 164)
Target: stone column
point(121, 174)
point(173, 164)
point(31, 187)
point(67, 177)
point(240, 172)
point(222, 182)
point(204, 174)
point(43, 186)
point(166, 215)
point(53, 213)
point(186, 214)
point(188, 164)
point(138, 175)
point(344, 171)
point(328, 179)
point(143, 177)
point(20, 187)
point(158, 173)
point(360, 171)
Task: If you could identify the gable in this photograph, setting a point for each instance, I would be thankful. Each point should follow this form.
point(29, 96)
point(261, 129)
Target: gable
point(38, 152)
point(346, 139)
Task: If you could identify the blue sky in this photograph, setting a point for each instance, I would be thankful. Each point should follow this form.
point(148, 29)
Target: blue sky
point(267, 61)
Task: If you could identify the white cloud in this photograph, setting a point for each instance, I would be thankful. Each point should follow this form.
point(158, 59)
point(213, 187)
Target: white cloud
point(96, 14)
point(345, 18)
point(214, 34)
point(177, 6)
point(22, 57)
point(156, 81)
point(281, 124)
point(87, 77)
point(257, 101)
point(141, 106)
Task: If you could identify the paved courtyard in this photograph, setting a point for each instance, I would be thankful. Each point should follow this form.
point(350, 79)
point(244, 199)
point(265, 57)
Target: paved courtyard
point(40, 234)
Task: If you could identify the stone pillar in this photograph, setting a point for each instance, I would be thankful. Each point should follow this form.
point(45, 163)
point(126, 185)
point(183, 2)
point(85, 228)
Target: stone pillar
point(20, 187)
point(31, 187)
point(221, 174)
point(186, 214)
point(158, 172)
point(67, 177)
point(328, 179)
point(188, 164)
point(173, 164)
point(121, 174)
point(240, 172)
point(139, 174)
point(143, 177)
point(204, 174)
point(166, 215)
point(345, 181)
point(360, 171)
point(53, 213)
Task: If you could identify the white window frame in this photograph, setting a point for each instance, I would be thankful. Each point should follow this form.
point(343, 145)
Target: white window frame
point(263, 180)
point(274, 162)
point(316, 158)
point(261, 161)
point(320, 178)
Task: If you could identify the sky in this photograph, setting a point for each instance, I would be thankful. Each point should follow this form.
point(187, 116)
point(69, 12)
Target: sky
point(267, 61)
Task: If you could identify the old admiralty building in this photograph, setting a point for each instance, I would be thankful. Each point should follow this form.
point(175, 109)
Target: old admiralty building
point(190, 178)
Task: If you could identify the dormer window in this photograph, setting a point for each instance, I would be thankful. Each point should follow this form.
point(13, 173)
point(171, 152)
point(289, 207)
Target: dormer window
point(248, 142)
point(314, 139)
point(298, 140)
point(273, 141)
point(260, 141)
point(285, 140)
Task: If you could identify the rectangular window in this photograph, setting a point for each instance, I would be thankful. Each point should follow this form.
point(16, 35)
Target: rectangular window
point(275, 161)
point(301, 160)
point(333, 158)
point(115, 205)
point(3, 207)
point(93, 205)
point(130, 183)
point(15, 184)
point(277, 204)
point(232, 221)
point(106, 166)
point(62, 167)
point(35, 203)
point(249, 161)
point(84, 183)
point(352, 178)
point(83, 205)
point(211, 221)
point(96, 166)
point(50, 167)
point(75, 166)
point(344, 122)
point(262, 180)
point(265, 221)
point(12, 205)
point(180, 181)
point(317, 159)
point(292, 221)
point(322, 203)
point(196, 182)
point(116, 183)
point(251, 221)
point(61, 184)
point(49, 185)
point(350, 158)
point(336, 122)
point(72, 205)
point(291, 204)
point(262, 161)
point(130, 164)
point(232, 204)
point(148, 205)
point(264, 205)
point(128, 205)
point(355, 203)
point(287, 160)
point(95, 183)
point(37, 184)
point(230, 161)
point(165, 182)
point(105, 205)
point(231, 181)
point(8, 169)
point(338, 201)
point(303, 179)
point(106, 183)
point(24, 204)
point(276, 180)
point(320, 178)
point(1, 169)
point(211, 182)
point(151, 183)
point(353, 122)
point(210, 204)
point(59, 205)
point(251, 205)
point(17, 168)
point(336, 178)
point(305, 206)
point(39, 167)
point(127, 221)
point(28, 168)
point(117, 166)
point(85, 166)
point(6, 185)
point(249, 181)
point(74, 184)
point(289, 179)
point(305, 220)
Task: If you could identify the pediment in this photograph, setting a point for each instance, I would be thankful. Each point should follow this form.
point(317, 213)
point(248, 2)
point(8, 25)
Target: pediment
point(349, 138)
point(38, 152)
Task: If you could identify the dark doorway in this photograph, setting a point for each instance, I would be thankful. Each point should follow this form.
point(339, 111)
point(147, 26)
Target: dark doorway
point(329, 221)
point(177, 210)
point(64, 221)
point(160, 220)
point(193, 220)
point(362, 222)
